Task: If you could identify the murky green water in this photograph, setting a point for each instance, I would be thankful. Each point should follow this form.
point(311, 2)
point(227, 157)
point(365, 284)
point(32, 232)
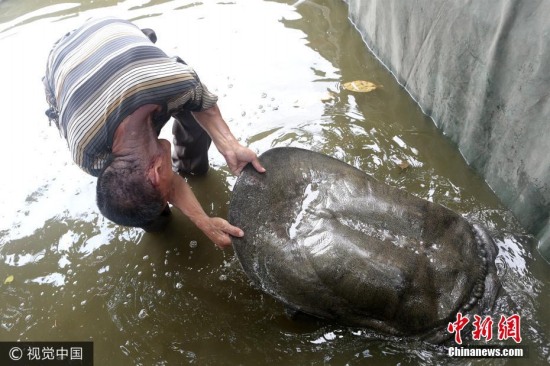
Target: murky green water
point(172, 298)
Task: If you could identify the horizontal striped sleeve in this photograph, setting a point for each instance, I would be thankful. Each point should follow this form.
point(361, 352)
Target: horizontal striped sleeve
point(197, 99)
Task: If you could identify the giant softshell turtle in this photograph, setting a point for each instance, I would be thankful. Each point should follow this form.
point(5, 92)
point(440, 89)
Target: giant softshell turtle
point(328, 240)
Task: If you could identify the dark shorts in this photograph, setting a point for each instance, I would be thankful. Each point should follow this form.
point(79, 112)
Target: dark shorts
point(191, 144)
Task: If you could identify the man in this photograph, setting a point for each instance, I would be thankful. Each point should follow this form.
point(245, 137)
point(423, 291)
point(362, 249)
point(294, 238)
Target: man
point(110, 91)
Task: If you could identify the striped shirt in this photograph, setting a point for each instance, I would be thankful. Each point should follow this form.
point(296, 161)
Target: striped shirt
point(100, 73)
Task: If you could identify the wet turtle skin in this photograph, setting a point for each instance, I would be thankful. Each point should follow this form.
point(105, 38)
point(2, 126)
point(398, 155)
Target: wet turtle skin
point(330, 241)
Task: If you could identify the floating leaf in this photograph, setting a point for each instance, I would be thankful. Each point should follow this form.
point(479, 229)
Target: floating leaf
point(403, 165)
point(360, 86)
point(8, 280)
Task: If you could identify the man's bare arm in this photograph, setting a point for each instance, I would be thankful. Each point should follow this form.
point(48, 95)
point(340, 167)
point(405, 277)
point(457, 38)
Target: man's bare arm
point(236, 155)
point(216, 228)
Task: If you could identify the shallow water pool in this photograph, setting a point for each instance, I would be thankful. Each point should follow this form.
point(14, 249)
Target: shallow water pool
point(173, 298)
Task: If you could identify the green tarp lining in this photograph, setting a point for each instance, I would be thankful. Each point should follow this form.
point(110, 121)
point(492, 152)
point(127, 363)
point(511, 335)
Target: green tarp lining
point(481, 70)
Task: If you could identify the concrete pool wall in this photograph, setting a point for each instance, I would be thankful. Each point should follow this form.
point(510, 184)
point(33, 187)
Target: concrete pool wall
point(481, 71)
